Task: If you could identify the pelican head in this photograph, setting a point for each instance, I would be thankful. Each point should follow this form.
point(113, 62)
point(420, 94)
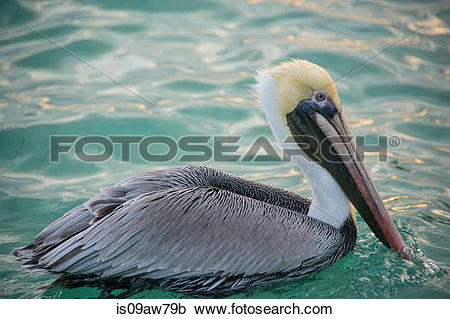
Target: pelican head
point(301, 102)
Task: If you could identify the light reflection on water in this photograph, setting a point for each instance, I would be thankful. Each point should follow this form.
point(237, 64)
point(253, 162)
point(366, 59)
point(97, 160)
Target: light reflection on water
point(196, 63)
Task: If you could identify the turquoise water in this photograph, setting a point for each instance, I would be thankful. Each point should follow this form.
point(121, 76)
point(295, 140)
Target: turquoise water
point(195, 61)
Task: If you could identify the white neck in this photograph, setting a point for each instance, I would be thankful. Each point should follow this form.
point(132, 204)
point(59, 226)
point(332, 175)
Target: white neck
point(329, 203)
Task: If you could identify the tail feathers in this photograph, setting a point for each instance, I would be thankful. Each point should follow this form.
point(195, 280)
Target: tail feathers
point(30, 260)
point(25, 252)
point(27, 255)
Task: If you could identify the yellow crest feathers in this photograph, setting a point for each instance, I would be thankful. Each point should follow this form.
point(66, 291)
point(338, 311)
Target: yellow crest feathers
point(296, 80)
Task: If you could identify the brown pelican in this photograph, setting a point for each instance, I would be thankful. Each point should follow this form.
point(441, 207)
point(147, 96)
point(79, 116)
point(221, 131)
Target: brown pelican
point(200, 231)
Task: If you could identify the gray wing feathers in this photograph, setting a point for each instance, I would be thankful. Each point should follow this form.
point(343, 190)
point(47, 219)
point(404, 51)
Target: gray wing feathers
point(109, 198)
point(190, 231)
point(184, 222)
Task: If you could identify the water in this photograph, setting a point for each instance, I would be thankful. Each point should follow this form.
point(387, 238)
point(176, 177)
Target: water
point(195, 61)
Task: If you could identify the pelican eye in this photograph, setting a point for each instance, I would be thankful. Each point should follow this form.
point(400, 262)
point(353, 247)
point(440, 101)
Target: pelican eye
point(320, 96)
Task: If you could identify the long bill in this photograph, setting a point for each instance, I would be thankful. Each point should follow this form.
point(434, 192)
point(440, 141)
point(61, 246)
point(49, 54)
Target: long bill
point(335, 149)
